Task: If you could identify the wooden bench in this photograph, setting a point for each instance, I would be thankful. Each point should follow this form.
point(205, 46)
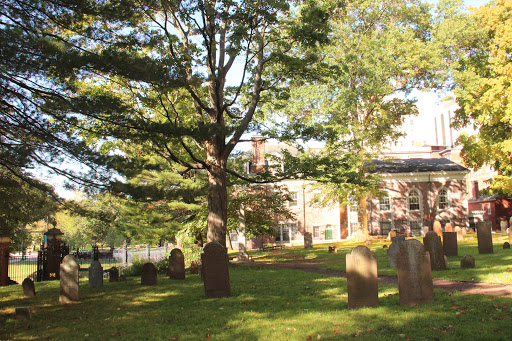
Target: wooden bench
point(271, 247)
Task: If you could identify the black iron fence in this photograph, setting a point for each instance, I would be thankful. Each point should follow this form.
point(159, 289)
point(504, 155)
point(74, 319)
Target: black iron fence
point(23, 266)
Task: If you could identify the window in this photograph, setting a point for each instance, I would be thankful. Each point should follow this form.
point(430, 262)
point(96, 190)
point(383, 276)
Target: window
point(293, 231)
point(413, 201)
point(488, 208)
point(293, 199)
point(415, 228)
point(385, 203)
point(316, 232)
point(385, 227)
point(287, 232)
point(233, 236)
point(443, 202)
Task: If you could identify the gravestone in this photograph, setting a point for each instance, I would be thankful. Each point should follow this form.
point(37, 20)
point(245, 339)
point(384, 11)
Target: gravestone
point(424, 230)
point(122, 278)
point(148, 275)
point(332, 249)
point(392, 234)
point(510, 234)
point(113, 274)
point(467, 262)
point(95, 275)
point(362, 278)
point(450, 244)
point(215, 270)
point(414, 274)
point(29, 289)
point(23, 313)
point(202, 267)
point(506, 245)
point(308, 240)
point(458, 230)
point(194, 268)
point(434, 246)
point(448, 227)
point(484, 236)
point(176, 267)
point(503, 225)
point(470, 230)
point(394, 249)
point(242, 255)
point(438, 229)
point(68, 280)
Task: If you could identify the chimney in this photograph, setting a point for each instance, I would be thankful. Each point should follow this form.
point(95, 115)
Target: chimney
point(475, 189)
point(258, 154)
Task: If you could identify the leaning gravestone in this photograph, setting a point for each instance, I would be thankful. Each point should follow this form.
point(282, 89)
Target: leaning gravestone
point(148, 275)
point(176, 267)
point(438, 229)
point(68, 280)
point(434, 246)
point(450, 244)
point(394, 249)
point(458, 230)
point(484, 236)
point(113, 274)
point(95, 275)
point(194, 268)
point(414, 274)
point(467, 262)
point(29, 289)
point(215, 270)
point(308, 240)
point(362, 278)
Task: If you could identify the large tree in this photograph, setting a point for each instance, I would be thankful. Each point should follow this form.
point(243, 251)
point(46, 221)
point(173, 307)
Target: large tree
point(483, 80)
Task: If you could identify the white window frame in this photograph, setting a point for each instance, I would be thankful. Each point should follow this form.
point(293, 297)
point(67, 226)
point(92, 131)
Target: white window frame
point(387, 206)
point(417, 192)
point(294, 199)
point(447, 196)
point(316, 232)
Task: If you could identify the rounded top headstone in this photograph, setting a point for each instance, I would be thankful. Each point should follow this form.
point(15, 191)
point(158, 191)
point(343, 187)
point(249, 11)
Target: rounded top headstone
point(361, 250)
point(214, 248)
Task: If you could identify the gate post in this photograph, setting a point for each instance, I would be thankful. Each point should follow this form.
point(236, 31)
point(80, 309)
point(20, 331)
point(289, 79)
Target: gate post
point(54, 237)
point(5, 239)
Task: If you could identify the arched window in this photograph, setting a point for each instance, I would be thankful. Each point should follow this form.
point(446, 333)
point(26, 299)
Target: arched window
point(413, 200)
point(443, 201)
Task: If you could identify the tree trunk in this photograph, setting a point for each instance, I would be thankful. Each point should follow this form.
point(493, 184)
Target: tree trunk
point(362, 233)
point(217, 199)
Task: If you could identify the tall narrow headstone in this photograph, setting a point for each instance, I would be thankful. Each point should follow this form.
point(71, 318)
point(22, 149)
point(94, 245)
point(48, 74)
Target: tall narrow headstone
point(113, 274)
point(503, 225)
point(242, 247)
point(458, 230)
point(149, 274)
point(215, 270)
point(362, 278)
point(434, 246)
point(438, 229)
point(394, 249)
point(29, 289)
point(176, 267)
point(448, 227)
point(95, 275)
point(484, 236)
point(68, 280)
point(450, 244)
point(308, 240)
point(414, 274)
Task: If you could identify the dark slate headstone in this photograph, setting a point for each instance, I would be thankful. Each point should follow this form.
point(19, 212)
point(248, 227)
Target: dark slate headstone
point(68, 280)
point(484, 236)
point(29, 289)
point(450, 244)
point(308, 240)
point(506, 245)
point(467, 262)
point(414, 274)
point(95, 275)
point(394, 249)
point(194, 268)
point(23, 313)
point(434, 246)
point(113, 274)
point(149, 274)
point(215, 270)
point(176, 267)
point(362, 278)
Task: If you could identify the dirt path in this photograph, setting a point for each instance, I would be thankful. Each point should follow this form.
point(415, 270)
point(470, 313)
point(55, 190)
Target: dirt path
point(465, 287)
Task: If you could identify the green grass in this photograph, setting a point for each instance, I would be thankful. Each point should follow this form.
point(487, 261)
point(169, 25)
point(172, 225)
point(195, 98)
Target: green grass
point(266, 304)
point(492, 268)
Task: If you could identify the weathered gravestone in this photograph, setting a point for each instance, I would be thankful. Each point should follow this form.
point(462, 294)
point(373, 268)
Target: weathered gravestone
point(148, 275)
point(362, 278)
point(438, 229)
point(506, 245)
point(194, 268)
point(113, 274)
point(332, 249)
point(458, 230)
point(448, 227)
point(215, 270)
point(467, 262)
point(484, 236)
point(122, 278)
point(308, 240)
point(68, 280)
point(95, 275)
point(503, 225)
point(392, 234)
point(29, 289)
point(394, 249)
point(510, 234)
point(414, 274)
point(176, 267)
point(450, 244)
point(434, 246)
point(23, 313)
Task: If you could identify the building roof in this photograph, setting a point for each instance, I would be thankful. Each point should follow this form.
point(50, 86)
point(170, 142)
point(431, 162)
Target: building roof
point(417, 166)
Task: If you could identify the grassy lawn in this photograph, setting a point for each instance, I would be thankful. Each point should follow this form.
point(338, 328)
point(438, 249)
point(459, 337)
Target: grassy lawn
point(267, 304)
point(493, 268)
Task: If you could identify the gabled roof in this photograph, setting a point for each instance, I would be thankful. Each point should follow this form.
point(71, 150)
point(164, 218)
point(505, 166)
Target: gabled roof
point(417, 166)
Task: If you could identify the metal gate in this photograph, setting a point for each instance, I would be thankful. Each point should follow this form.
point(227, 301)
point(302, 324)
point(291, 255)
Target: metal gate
point(22, 266)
